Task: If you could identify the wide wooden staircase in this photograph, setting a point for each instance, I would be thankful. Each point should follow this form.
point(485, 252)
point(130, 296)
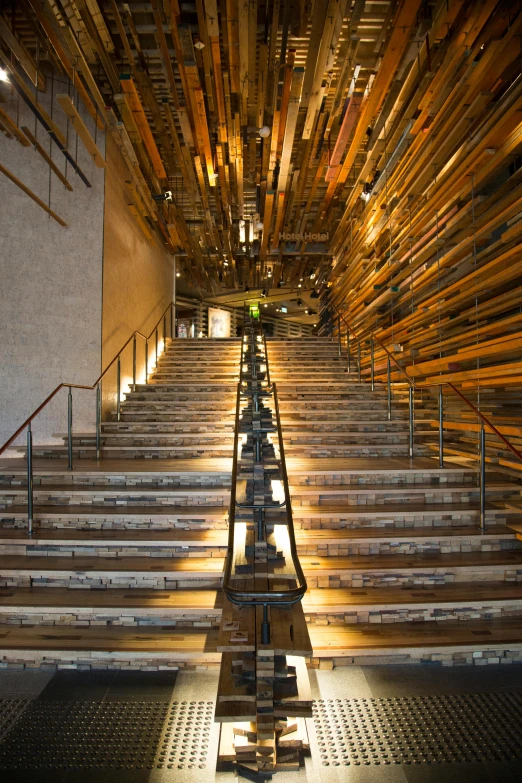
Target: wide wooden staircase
point(125, 566)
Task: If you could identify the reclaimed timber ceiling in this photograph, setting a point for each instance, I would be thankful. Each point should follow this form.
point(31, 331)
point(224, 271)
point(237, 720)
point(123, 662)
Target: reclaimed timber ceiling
point(186, 87)
point(269, 121)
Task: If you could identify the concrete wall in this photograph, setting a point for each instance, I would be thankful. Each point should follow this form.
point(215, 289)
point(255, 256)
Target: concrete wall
point(138, 279)
point(50, 276)
point(69, 297)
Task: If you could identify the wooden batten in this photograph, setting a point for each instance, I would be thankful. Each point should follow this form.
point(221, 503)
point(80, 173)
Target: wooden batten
point(33, 196)
point(81, 129)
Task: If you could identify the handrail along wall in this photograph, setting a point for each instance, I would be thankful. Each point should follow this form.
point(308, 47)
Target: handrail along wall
point(27, 424)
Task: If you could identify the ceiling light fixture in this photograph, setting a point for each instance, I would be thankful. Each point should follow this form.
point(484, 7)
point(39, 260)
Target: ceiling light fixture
point(167, 196)
point(178, 274)
point(264, 132)
point(4, 76)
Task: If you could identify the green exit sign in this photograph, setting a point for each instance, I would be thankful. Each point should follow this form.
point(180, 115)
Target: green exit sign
point(254, 311)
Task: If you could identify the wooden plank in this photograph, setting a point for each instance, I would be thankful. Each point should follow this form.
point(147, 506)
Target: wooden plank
point(31, 195)
point(72, 73)
point(22, 54)
point(142, 123)
point(10, 126)
point(81, 129)
point(50, 162)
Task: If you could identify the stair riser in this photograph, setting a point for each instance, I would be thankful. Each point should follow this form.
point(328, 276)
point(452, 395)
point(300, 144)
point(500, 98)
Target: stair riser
point(375, 478)
point(113, 499)
point(83, 660)
point(399, 449)
point(353, 498)
point(384, 615)
point(138, 440)
point(409, 547)
point(416, 520)
point(98, 522)
point(138, 452)
point(161, 550)
point(103, 581)
point(194, 618)
point(413, 577)
point(116, 551)
point(118, 617)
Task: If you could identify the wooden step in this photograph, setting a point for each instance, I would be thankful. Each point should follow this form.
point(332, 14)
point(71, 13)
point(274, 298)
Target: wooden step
point(219, 538)
point(360, 644)
point(172, 569)
point(90, 516)
point(416, 642)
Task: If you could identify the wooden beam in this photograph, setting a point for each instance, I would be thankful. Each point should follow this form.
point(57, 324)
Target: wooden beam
point(31, 195)
point(81, 129)
point(22, 54)
point(72, 73)
point(50, 162)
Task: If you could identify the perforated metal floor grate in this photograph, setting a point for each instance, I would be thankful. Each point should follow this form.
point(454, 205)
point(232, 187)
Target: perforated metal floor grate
point(109, 735)
point(419, 729)
point(10, 711)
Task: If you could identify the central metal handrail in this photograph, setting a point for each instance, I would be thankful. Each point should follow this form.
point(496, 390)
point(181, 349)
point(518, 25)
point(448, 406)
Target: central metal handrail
point(264, 598)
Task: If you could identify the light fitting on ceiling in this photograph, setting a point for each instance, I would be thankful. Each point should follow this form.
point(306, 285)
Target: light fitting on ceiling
point(4, 76)
point(167, 196)
point(178, 274)
point(264, 132)
point(258, 226)
point(199, 45)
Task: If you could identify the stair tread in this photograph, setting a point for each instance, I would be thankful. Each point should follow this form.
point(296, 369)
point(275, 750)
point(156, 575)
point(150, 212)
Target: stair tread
point(313, 565)
point(295, 465)
point(393, 637)
point(195, 512)
point(120, 467)
point(325, 600)
point(110, 639)
point(326, 640)
point(212, 537)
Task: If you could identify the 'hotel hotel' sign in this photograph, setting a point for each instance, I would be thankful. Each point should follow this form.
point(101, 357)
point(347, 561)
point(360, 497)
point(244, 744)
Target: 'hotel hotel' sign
point(306, 237)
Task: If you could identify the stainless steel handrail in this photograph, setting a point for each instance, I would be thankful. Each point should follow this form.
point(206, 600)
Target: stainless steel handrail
point(263, 598)
point(95, 386)
point(64, 385)
point(424, 385)
point(412, 386)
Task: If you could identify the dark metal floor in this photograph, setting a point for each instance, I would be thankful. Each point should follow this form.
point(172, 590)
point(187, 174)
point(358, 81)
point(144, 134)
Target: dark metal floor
point(395, 724)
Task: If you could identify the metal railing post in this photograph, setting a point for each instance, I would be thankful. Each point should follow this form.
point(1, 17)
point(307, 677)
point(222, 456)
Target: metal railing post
point(348, 346)
point(146, 361)
point(30, 520)
point(69, 430)
point(156, 354)
point(134, 364)
point(164, 332)
point(265, 626)
point(173, 320)
point(410, 419)
point(98, 421)
point(441, 428)
point(359, 358)
point(339, 335)
point(482, 479)
point(389, 390)
point(118, 389)
point(372, 364)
